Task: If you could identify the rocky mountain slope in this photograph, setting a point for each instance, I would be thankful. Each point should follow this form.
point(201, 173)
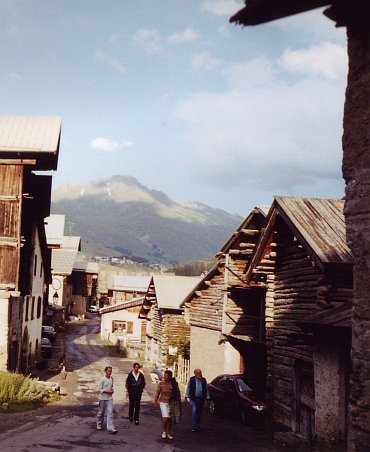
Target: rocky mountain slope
point(121, 214)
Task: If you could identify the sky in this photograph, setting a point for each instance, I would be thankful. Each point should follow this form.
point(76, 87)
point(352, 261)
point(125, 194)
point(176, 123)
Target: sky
point(170, 92)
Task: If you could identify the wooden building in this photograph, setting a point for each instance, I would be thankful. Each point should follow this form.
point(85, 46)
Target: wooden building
point(162, 309)
point(227, 333)
point(354, 15)
point(84, 283)
point(303, 259)
point(27, 144)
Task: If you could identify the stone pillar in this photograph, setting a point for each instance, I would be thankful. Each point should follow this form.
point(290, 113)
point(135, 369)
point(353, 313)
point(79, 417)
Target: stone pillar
point(356, 172)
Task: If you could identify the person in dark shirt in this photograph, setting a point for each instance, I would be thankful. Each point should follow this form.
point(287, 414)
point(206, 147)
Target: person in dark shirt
point(197, 393)
point(135, 384)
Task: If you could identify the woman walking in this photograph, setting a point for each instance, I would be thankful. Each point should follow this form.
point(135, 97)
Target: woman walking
point(163, 395)
point(135, 384)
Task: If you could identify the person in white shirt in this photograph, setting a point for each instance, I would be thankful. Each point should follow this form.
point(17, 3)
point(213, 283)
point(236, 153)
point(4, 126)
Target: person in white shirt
point(105, 389)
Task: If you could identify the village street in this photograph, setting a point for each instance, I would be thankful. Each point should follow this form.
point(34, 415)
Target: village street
point(70, 425)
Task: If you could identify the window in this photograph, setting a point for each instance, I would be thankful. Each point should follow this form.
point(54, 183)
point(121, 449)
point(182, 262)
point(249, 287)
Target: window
point(27, 307)
point(39, 304)
point(121, 326)
point(33, 308)
point(35, 266)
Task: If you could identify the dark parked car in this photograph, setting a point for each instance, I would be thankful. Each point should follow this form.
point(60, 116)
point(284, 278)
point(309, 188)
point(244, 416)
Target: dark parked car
point(48, 332)
point(46, 348)
point(234, 395)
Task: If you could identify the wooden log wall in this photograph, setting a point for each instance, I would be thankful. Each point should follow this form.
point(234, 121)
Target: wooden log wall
point(206, 306)
point(295, 285)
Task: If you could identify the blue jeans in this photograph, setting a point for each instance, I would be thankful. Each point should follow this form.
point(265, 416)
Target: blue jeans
point(105, 407)
point(196, 406)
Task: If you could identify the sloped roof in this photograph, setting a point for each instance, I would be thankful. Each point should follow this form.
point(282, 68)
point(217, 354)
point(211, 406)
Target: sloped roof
point(171, 290)
point(260, 11)
point(123, 305)
point(258, 210)
point(54, 229)
point(31, 137)
point(320, 223)
point(62, 261)
point(167, 292)
point(87, 267)
point(71, 242)
point(135, 283)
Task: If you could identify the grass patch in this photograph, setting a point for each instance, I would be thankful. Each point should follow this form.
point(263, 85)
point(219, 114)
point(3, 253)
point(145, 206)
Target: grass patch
point(22, 393)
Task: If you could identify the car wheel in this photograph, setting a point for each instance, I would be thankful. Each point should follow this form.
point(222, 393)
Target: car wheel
point(212, 407)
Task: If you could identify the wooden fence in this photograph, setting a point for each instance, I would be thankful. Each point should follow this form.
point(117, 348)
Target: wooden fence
point(182, 370)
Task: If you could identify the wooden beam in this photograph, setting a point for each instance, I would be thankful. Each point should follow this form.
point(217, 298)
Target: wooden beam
point(18, 162)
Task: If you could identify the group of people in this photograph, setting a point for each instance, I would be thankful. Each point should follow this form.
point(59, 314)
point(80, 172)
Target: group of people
point(167, 397)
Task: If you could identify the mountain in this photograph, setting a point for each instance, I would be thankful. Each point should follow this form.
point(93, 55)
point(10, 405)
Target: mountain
point(121, 214)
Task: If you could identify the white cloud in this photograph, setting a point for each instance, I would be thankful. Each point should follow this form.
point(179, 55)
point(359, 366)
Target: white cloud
point(325, 60)
point(188, 35)
point(264, 130)
point(149, 39)
point(14, 75)
point(204, 62)
point(222, 7)
point(110, 61)
point(105, 144)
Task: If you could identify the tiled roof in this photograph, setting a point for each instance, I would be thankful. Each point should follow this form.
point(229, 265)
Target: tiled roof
point(62, 261)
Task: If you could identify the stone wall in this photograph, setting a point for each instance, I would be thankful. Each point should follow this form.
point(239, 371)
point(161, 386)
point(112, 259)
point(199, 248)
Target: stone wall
point(356, 172)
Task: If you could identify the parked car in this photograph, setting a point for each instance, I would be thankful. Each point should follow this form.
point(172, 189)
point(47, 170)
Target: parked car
point(233, 395)
point(46, 348)
point(93, 309)
point(48, 332)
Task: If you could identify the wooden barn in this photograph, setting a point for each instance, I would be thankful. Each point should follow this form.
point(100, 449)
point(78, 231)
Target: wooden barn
point(27, 144)
point(303, 259)
point(227, 316)
point(162, 309)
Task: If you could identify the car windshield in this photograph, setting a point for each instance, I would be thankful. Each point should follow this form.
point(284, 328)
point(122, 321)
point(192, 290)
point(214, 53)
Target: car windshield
point(242, 386)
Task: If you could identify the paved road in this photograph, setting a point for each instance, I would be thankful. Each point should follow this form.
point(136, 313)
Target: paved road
point(70, 426)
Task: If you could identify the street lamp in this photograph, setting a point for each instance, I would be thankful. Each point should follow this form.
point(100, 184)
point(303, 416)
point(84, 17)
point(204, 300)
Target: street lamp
point(55, 298)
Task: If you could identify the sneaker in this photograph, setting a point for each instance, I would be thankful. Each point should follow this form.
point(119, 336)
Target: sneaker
point(164, 435)
point(112, 431)
point(169, 436)
point(131, 419)
point(98, 427)
point(136, 422)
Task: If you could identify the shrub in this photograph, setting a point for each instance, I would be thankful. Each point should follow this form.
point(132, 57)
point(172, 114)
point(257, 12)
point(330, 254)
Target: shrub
point(18, 389)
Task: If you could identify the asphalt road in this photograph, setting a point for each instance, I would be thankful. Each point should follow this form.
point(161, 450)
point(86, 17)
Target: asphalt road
point(70, 424)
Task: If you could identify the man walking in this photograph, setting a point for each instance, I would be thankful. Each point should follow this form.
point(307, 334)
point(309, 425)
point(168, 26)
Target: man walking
point(196, 392)
point(105, 389)
point(135, 384)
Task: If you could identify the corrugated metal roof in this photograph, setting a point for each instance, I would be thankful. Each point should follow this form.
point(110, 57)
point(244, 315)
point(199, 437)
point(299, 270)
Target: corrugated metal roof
point(320, 223)
point(138, 283)
point(62, 261)
point(29, 133)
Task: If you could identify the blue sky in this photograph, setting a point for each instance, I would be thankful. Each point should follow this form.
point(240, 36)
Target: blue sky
point(170, 92)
